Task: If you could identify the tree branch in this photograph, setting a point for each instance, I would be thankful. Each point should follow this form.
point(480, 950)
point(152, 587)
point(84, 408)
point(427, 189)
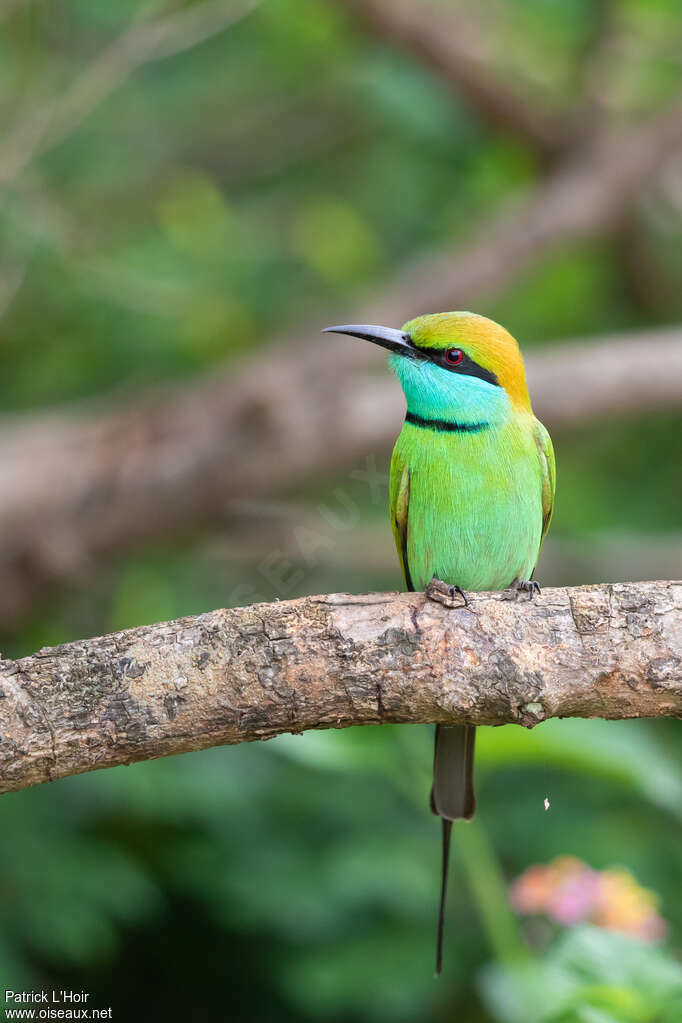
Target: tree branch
point(442, 39)
point(586, 197)
point(76, 488)
point(591, 379)
point(335, 661)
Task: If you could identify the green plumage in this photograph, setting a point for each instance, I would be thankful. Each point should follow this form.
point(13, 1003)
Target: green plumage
point(472, 490)
point(474, 516)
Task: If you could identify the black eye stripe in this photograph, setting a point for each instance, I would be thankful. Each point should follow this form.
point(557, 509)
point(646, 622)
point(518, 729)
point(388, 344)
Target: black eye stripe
point(467, 367)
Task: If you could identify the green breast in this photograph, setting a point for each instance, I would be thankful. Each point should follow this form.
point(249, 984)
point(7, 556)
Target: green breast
point(475, 504)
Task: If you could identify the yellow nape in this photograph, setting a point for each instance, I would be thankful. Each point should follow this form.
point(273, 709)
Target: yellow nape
point(483, 340)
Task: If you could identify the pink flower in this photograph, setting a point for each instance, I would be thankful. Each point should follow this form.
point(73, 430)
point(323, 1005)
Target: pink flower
point(575, 897)
point(568, 891)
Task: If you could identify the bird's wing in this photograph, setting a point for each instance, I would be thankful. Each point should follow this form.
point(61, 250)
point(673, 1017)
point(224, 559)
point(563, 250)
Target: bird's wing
point(400, 502)
point(548, 475)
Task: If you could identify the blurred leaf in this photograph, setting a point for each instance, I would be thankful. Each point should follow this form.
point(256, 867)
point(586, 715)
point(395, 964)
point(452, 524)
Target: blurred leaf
point(589, 975)
point(195, 215)
point(335, 241)
point(622, 751)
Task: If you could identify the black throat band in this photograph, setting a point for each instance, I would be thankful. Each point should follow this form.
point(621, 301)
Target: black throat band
point(444, 425)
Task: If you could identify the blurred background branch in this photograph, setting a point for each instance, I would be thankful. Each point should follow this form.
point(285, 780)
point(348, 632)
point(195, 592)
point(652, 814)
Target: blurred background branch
point(450, 43)
point(75, 489)
point(80, 487)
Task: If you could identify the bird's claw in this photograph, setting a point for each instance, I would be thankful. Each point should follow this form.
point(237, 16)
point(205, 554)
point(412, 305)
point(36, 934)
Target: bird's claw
point(529, 586)
point(445, 594)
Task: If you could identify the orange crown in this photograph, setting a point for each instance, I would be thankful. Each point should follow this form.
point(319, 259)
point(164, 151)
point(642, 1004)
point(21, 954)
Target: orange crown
point(483, 340)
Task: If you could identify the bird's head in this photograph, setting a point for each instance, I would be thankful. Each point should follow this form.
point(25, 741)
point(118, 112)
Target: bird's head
point(453, 366)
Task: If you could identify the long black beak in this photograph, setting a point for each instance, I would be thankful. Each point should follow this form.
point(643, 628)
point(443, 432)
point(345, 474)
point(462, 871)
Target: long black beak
point(385, 337)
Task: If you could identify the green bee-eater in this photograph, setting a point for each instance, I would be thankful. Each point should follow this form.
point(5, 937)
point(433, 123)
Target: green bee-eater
point(472, 490)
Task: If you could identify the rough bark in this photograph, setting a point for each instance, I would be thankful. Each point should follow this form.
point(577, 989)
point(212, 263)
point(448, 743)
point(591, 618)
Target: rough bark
point(611, 651)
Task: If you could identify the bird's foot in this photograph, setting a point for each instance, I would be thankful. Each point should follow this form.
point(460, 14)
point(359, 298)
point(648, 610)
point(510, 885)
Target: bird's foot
point(529, 586)
point(445, 594)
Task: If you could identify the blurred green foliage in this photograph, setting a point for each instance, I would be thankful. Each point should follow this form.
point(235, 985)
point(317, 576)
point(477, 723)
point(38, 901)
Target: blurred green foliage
point(288, 165)
point(590, 976)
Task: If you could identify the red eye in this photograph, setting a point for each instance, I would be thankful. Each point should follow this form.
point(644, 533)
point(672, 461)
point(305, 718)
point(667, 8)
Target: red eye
point(454, 356)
